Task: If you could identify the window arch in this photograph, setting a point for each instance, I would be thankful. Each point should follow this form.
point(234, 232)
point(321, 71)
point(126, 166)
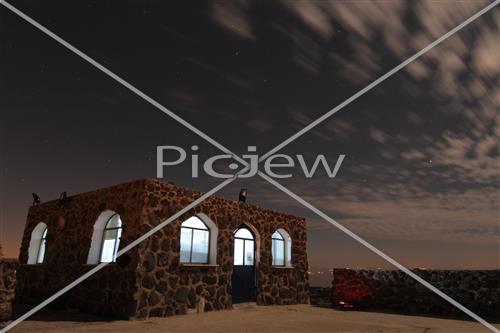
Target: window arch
point(244, 247)
point(195, 241)
point(105, 238)
point(281, 248)
point(111, 239)
point(36, 250)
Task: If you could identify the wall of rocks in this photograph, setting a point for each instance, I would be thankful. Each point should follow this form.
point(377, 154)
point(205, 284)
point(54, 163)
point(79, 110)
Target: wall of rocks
point(169, 287)
point(70, 227)
point(395, 291)
point(320, 296)
point(149, 280)
point(8, 269)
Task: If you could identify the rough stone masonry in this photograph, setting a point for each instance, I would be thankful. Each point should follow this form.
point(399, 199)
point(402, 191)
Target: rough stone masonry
point(149, 280)
point(8, 269)
point(393, 290)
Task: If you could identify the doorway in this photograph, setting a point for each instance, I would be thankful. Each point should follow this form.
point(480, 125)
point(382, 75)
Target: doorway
point(243, 278)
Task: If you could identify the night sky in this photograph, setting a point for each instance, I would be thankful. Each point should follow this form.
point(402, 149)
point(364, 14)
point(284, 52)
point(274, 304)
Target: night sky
point(421, 175)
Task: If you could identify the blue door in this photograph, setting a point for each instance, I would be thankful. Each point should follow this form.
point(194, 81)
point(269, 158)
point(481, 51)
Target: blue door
point(243, 278)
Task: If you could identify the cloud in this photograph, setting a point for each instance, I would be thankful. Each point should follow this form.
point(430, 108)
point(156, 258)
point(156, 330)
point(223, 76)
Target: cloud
point(486, 53)
point(413, 155)
point(462, 74)
point(468, 216)
point(375, 24)
point(231, 16)
point(442, 180)
point(312, 15)
point(418, 70)
point(377, 135)
point(469, 157)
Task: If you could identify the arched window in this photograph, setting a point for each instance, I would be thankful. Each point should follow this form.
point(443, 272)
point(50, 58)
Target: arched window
point(105, 243)
point(111, 239)
point(278, 249)
point(41, 248)
point(36, 250)
point(281, 248)
point(244, 247)
point(195, 241)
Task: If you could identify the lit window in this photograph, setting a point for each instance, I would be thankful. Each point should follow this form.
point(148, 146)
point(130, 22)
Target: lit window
point(41, 249)
point(281, 248)
point(244, 247)
point(37, 246)
point(278, 249)
point(111, 239)
point(195, 239)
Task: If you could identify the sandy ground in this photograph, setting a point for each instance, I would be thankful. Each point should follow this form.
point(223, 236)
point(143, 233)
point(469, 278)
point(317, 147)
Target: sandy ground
point(252, 318)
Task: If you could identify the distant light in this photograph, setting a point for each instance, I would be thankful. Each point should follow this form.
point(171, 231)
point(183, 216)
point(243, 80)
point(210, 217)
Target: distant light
point(345, 305)
point(243, 195)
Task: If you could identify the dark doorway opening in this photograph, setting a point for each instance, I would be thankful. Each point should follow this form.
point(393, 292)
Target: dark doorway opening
point(243, 278)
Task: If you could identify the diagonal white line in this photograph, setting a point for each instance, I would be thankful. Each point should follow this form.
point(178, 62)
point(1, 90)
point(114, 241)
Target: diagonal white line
point(180, 120)
point(122, 251)
point(157, 105)
point(120, 80)
point(379, 80)
point(378, 252)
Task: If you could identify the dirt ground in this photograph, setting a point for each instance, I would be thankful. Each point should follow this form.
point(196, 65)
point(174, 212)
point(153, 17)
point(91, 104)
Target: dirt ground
point(252, 318)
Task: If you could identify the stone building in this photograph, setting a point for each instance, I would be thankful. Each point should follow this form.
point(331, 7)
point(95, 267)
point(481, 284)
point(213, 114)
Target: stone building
point(219, 253)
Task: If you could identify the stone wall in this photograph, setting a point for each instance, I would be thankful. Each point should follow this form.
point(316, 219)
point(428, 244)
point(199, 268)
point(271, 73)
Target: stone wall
point(108, 292)
point(393, 290)
point(320, 296)
point(169, 287)
point(150, 281)
point(8, 269)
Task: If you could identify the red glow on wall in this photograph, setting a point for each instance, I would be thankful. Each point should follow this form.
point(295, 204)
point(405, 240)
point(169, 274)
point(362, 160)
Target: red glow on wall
point(354, 290)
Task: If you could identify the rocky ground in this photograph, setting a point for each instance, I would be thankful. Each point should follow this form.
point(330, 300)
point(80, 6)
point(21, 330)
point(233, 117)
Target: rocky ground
point(252, 318)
